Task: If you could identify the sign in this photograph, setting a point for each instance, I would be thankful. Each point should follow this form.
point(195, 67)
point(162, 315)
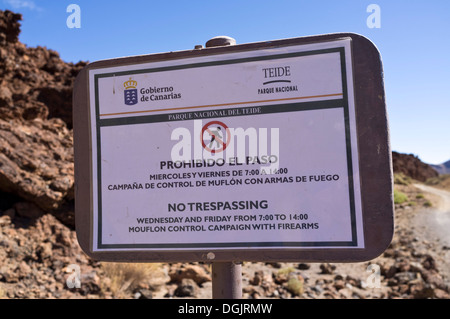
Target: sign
point(250, 152)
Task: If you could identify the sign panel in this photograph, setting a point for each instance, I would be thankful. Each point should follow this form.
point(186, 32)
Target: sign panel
point(226, 154)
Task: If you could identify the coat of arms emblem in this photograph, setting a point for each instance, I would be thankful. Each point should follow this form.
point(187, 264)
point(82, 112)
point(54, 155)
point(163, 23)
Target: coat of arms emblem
point(130, 92)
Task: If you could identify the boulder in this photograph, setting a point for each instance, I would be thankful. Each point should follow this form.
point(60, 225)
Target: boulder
point(187, 288)
point(195, 272)
point(36, 161)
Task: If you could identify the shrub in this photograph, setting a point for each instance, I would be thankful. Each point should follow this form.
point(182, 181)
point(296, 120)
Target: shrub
point(399, 197)
point(126, 276)
point(286, 271)
point(402, 179)
point(295, 286)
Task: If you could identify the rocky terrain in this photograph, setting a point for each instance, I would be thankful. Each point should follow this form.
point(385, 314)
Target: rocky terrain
point(36, 146)
point(40, 258)
point(39, 253)
point(412, 166)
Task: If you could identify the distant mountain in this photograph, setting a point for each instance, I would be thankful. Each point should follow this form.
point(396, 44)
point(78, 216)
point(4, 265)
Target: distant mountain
point(443, 168)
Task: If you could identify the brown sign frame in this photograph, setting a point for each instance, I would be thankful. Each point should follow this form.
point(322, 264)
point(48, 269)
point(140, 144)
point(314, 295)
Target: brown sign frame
point(375, 162)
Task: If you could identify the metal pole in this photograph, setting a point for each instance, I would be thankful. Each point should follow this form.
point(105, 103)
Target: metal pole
point(226, 280)
point(226, 276)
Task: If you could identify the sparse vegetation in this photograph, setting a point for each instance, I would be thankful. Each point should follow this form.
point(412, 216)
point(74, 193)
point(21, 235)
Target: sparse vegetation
point(442, 181)
point(427, 204)
point(286, 271)
point(294, 281)
point(126, 276)
point(295, 286)
point(399, 197)
point(402, 179)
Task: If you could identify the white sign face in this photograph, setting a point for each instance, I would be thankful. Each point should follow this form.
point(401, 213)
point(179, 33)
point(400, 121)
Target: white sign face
point(242, 150)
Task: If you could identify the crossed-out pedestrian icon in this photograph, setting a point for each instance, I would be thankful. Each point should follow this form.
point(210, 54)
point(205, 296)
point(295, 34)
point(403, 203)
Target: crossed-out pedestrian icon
point(215, 136)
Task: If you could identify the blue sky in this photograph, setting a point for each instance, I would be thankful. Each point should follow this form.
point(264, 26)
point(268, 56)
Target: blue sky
point(413, 38)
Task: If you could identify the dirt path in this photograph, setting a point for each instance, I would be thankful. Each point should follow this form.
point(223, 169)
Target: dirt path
point(444, 204)
point(439, 215)
point(434, 223)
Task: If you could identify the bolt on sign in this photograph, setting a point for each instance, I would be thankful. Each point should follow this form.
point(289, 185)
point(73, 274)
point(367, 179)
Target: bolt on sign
point(265, 151)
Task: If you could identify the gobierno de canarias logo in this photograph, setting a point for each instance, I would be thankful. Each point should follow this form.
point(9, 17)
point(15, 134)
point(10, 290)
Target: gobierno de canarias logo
point(130, 92)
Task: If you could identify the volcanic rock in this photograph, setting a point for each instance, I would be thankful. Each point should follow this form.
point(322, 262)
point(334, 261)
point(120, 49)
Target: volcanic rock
point(36, 144)
point(36, 161)
point(412, 166)
point(195, 272)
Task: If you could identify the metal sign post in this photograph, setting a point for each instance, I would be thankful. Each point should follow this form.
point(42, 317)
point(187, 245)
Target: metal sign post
point(273, 151)
point(226, 280)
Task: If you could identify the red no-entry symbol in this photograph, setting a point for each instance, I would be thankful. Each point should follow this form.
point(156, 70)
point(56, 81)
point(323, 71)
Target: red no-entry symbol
point(215, 137)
